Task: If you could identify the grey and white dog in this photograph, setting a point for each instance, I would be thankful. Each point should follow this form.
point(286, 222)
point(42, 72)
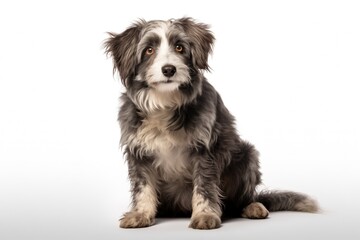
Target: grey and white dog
point(184, 155)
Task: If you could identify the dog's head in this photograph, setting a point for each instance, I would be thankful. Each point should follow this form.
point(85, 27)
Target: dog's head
point(160, 57)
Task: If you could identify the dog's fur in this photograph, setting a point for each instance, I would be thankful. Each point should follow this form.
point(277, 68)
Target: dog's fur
point(184, 155)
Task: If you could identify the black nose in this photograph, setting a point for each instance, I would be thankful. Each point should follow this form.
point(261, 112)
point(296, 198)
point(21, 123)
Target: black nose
point(168, 70)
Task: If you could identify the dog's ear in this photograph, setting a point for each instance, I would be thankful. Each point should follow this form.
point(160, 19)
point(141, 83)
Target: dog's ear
point(201, 41)
point(122, 47)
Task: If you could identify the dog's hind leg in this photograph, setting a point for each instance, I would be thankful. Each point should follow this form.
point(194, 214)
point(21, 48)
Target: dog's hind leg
point(255, 210)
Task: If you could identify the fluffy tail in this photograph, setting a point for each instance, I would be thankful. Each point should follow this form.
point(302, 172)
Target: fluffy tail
point(287, 201)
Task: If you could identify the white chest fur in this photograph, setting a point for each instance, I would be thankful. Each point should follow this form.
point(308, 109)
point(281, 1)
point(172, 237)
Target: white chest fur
point(170, 148)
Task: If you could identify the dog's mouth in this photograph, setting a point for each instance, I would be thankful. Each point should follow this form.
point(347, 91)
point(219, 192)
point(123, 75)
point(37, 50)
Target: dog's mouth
point(165, 85)
point(162, 82)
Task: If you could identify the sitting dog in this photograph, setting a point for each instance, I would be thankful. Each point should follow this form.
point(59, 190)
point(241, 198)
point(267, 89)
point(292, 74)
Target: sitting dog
point(184, 155)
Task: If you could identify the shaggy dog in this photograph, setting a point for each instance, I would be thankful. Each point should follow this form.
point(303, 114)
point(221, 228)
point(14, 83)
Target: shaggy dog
point(184, 155)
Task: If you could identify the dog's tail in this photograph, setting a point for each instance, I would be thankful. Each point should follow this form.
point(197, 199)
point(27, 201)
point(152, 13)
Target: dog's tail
point(287, 201)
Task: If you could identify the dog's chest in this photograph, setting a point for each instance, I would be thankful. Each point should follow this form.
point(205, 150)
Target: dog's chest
point(169, 148)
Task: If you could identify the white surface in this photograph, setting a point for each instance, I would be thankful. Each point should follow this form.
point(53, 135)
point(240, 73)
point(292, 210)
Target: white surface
point(287, 70)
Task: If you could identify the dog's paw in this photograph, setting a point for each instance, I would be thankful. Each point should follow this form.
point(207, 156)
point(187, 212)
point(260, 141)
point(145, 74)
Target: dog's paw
point(136, 220)
point(255, 210)
point(205, 221)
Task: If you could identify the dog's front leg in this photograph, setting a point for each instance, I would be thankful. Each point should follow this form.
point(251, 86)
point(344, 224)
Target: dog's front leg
point(144, 196)
point(206, 210)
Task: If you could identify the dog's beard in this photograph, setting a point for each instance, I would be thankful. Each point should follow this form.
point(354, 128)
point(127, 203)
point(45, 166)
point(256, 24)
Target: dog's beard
point(155, 91)
point(151, 99)
point(161, 92)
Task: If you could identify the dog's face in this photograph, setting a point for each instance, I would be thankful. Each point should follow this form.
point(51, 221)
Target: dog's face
point(160, 57)
point(163, 54)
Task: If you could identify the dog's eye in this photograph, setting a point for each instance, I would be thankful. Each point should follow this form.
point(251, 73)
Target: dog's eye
point(179, 48)
point(149, 51)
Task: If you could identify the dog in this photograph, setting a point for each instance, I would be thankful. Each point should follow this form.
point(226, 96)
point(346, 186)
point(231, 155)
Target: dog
point(184, 155)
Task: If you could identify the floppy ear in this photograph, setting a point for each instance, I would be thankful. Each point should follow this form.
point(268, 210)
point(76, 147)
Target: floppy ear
point(201, 41)
point(122, 47)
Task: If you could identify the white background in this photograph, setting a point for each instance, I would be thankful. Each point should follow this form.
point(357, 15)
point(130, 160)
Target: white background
point(288, 71)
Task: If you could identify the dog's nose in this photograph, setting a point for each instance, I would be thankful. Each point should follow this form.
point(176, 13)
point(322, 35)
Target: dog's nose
point(168, 70)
